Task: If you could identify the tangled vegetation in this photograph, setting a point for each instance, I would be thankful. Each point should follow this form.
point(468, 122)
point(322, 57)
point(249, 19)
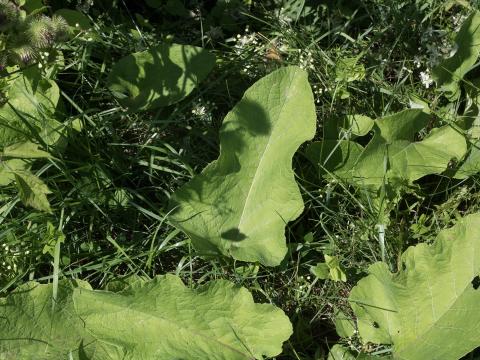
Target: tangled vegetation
point(286, 179)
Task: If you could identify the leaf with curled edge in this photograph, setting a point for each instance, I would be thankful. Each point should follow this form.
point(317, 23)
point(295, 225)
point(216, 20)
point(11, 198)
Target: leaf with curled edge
point(429, 308)
point(239, 205)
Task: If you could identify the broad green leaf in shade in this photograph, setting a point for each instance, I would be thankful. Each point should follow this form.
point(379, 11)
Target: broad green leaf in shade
point(429, 309)
point(471, 165)
point(451, 71)
point(12, 159)
point(75, 19)
point(158, 77)
point(429, 156)
point(240, 204)
point(470, 119)
point(29, 112)
point(470, 122)
point(176, 8)
point(31, 328)
point(163, 319)
point(154, 3)
point(32, 190)
point(334, 157)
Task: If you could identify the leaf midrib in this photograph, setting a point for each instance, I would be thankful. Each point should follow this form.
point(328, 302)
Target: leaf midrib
point(262, 157)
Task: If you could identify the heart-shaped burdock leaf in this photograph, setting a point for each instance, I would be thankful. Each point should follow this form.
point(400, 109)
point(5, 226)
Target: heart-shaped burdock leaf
point(240, 204)
point(160, 76)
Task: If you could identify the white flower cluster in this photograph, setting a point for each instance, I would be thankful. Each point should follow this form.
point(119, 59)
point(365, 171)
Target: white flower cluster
point(305, 60)
point(203, 109)
point(242, 42)
point(318, 91)
point(10, 255)
point(426, 78)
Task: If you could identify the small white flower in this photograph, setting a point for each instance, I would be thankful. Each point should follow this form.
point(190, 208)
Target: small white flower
point(426, 78)
point(417, 62)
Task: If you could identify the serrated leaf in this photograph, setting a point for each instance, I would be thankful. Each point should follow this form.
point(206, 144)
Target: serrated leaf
point(160, 76)
point(450, 72)
point(24, 150)
point(32, 191)
point(240, 203)
point(429, 309)
point(29, 112)
point(8, 168)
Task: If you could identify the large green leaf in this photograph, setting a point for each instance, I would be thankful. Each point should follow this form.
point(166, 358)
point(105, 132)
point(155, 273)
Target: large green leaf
point(239, 205)
point(451, 71)
point(393, 155)
point(163, 319)
point(31, 328)
point(157, 319)
point(160, 76)
point(29, 113)
point(429, 309)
